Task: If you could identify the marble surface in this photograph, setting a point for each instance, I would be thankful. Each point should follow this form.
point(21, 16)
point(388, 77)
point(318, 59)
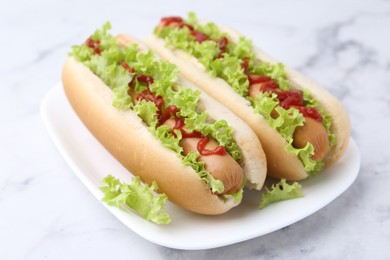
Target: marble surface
point(47, 213)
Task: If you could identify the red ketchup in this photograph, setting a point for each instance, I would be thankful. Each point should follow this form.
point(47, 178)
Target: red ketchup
point(220, 150)
point(166, 21)
point(126, 66)
point(93, 44)
point(171, 111)
point(223, 42)
point(245, 66)
point(310, 112)
point(199, 36)
point(287, 98)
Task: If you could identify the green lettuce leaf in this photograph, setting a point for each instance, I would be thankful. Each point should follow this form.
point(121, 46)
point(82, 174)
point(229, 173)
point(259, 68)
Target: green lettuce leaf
point(279, 192)
point(285, 124)
point(121, 99)
point(82, 52)
point(275, 71)
point(165, 76)
point(186, 100)
point(243, 49)
point(205, 52)
point(191, 159)
point(327, 122)
point(222, 132)
point(236, 196)
point(179, 38)
point(103, 34)
point(287, 121)
point(146, 110)
point(304, 154)
point(137, 196)
point(229, 68)
point(113, 75)
point(163, 133)
point(210, 29)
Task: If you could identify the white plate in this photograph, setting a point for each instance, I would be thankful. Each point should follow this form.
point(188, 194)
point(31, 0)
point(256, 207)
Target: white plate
point(91, 163)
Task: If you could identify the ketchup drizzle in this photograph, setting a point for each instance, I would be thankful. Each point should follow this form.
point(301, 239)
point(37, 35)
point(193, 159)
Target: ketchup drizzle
point(287, 98)
point(166, 21)
point(199, 36)
point(220, 150)
point(171, 111)
point(127, 67)
point(93, 44)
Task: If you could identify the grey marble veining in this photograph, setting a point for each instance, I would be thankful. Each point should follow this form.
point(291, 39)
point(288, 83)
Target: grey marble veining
point(46, 212)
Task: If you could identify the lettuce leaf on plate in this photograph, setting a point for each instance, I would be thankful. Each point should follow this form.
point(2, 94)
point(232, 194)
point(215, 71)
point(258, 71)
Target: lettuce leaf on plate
point(137, 196)
point(279, 192)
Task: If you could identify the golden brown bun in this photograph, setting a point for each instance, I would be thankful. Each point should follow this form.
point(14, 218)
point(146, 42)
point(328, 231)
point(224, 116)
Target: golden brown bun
point(281, 164)
point(124, 135)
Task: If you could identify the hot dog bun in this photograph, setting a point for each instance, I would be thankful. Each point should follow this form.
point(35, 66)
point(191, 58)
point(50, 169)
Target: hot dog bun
point(341, 123)
point(281, 164)
point(126, 137)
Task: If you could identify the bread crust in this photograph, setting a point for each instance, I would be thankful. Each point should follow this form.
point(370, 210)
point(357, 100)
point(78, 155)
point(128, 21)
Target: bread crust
point(281, 164)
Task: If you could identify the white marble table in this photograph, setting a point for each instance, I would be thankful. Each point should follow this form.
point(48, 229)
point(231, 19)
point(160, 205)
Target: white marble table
point(47, 213)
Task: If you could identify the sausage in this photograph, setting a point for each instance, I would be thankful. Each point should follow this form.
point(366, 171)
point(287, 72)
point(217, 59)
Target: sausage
point(315, 133)
point(312, 131)
point(221, 167)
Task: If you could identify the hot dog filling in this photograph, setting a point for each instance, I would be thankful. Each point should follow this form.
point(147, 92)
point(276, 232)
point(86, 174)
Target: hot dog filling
point(210, 152)
point(293, 113)
point(147, 86)
point(171, 112)
point(312, 131)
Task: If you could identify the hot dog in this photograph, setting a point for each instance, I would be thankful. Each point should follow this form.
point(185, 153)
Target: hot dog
point(301, 126)
point(160, 126)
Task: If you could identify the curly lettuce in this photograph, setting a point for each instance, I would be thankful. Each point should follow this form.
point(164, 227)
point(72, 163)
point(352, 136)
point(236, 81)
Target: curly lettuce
point(279, 192)
point(229, 68)
point(137, 196)
point(191, 159)
point(285, 124)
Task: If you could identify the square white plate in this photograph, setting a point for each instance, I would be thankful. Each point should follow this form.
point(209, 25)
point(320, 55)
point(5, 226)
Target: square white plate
point(91, 163)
